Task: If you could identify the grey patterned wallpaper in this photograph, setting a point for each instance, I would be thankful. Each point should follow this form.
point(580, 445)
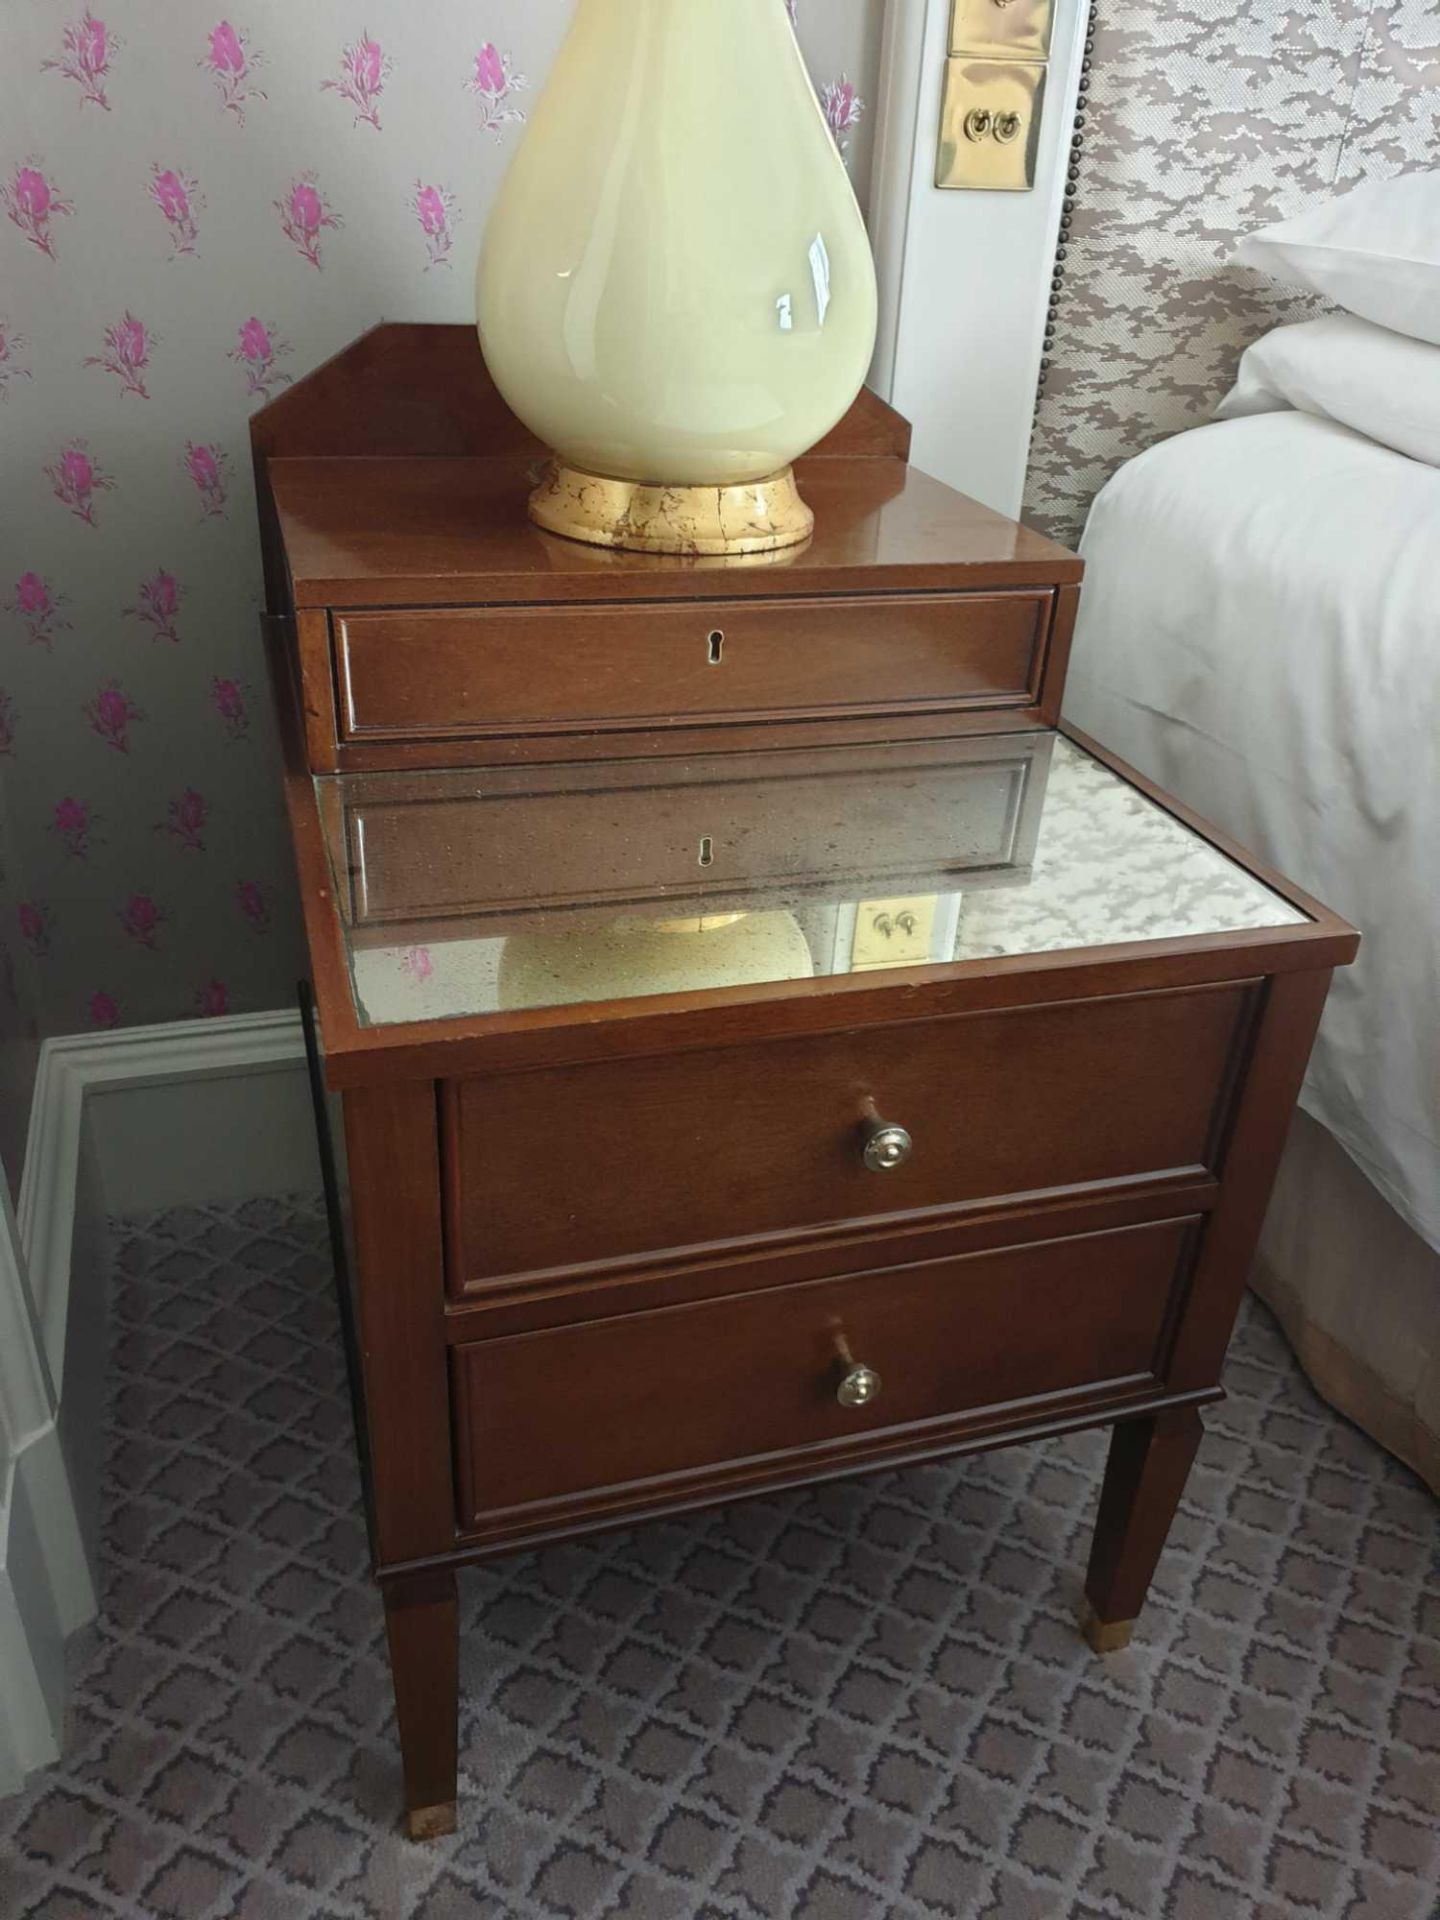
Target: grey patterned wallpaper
point(1205, 119)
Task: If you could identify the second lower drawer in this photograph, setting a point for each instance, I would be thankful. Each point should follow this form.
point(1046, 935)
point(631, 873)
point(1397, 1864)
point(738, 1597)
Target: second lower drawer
point(545, 1417)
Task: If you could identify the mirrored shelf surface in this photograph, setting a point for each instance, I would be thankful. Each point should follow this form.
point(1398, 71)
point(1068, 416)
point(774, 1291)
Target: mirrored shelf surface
point(463, 893)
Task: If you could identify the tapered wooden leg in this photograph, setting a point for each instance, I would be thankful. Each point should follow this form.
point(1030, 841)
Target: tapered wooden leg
point(1144, 1478)
point(422, 1623)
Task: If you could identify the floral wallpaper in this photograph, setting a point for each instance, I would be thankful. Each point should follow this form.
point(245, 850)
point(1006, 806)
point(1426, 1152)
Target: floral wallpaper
point(1201, 123)
point(196, 207)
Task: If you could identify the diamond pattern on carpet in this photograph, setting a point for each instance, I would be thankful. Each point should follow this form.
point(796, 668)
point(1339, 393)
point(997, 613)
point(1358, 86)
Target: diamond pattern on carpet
point(863, 1700)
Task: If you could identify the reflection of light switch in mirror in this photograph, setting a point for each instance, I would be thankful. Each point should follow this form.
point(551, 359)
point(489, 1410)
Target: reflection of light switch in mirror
point(893, 933)
point(990, 124)
point(1001, 29)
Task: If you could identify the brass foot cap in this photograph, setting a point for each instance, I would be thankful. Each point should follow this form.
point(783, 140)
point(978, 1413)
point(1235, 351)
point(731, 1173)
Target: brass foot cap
point(1105, 1636)
point(759, 517)
point(429, 1823)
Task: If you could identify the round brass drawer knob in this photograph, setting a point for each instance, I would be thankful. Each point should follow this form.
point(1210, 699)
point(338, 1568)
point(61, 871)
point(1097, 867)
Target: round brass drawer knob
point(858, 1387)
point(886, 1148)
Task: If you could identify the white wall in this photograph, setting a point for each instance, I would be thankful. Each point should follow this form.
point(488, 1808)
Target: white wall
point(966, 274)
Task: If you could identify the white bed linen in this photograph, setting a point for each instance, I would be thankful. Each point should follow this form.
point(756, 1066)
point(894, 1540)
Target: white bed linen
point(1340, 368)
point(1260, 632)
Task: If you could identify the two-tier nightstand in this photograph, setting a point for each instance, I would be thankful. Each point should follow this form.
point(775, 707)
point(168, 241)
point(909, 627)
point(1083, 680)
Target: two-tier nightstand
point(765, 1047)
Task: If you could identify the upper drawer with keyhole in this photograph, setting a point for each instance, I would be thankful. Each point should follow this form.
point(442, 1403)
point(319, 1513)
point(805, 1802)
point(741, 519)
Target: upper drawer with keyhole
point(510, 674)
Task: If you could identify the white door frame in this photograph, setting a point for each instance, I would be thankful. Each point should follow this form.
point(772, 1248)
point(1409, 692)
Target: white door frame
point(122, 1122)
point(39, 1542)
point(964, 276)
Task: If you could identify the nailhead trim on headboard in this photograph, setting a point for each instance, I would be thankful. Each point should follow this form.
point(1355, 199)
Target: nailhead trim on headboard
point(1067, 208)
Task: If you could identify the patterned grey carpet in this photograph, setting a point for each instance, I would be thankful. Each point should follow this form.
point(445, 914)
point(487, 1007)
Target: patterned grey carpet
point(839, 1705)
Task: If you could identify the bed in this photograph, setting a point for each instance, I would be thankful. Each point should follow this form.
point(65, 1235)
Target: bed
point(1260, 632)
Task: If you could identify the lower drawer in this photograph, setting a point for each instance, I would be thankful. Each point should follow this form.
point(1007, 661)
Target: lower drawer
point(726, 1385)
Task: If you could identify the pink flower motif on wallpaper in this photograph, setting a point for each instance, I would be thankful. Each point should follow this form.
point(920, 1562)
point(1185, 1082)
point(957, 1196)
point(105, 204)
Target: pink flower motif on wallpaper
point(34, 922)
point(89, 48)
point(185, 819)
point(304, 212)
point(494, 83)
point(38, 606)
point(127, 354)
point(7, 722)
point(179, 199)
point(73, 824)
point(31, 203)
point(208, 466)
point(256, 350)
point(212, 1001)
point(12, 366)
point(111, 714)
point(103, 1009)
point(250, 898)
point(231, 63)
point(364, 68)
point(843, 109)
point(142, 920)
point(434, 208)
point(157, 602)
point(75, 479)
point(418, 963)
point(228, 698)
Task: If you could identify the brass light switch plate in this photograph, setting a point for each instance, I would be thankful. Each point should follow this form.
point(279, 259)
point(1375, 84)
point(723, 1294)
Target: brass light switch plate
point(1002, 29)
point(990, 124)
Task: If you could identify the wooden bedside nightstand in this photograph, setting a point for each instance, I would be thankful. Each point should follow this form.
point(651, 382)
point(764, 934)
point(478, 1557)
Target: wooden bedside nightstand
point(660, 1186)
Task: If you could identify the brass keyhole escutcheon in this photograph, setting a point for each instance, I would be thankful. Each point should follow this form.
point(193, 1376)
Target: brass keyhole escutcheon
point(1006, 127)
point(715, 648)
point(977, 123)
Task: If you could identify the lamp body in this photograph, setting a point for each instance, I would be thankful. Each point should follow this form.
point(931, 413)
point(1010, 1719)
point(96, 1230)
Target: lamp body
point(676, 287)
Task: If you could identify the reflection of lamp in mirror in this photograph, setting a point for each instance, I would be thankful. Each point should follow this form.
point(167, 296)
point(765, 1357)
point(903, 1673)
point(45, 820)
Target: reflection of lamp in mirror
point(676, 291)
point(631, 957)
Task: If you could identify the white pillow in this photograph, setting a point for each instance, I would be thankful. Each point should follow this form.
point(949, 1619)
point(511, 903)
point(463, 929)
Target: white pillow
point(1375, 252)
point(1364, 376)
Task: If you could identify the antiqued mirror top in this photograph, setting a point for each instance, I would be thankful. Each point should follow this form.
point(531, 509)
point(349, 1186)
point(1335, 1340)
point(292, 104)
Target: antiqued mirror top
point(469, 892)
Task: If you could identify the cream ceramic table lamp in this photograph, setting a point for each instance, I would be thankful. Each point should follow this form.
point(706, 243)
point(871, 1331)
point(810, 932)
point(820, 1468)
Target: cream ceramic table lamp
point(676, 292)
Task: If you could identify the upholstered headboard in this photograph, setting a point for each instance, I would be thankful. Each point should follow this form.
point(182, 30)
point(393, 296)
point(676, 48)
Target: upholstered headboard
point(1202, 120)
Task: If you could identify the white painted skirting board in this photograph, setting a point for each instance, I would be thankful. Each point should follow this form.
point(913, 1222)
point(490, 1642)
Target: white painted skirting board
point(130, 1121)
point(73, 1071)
